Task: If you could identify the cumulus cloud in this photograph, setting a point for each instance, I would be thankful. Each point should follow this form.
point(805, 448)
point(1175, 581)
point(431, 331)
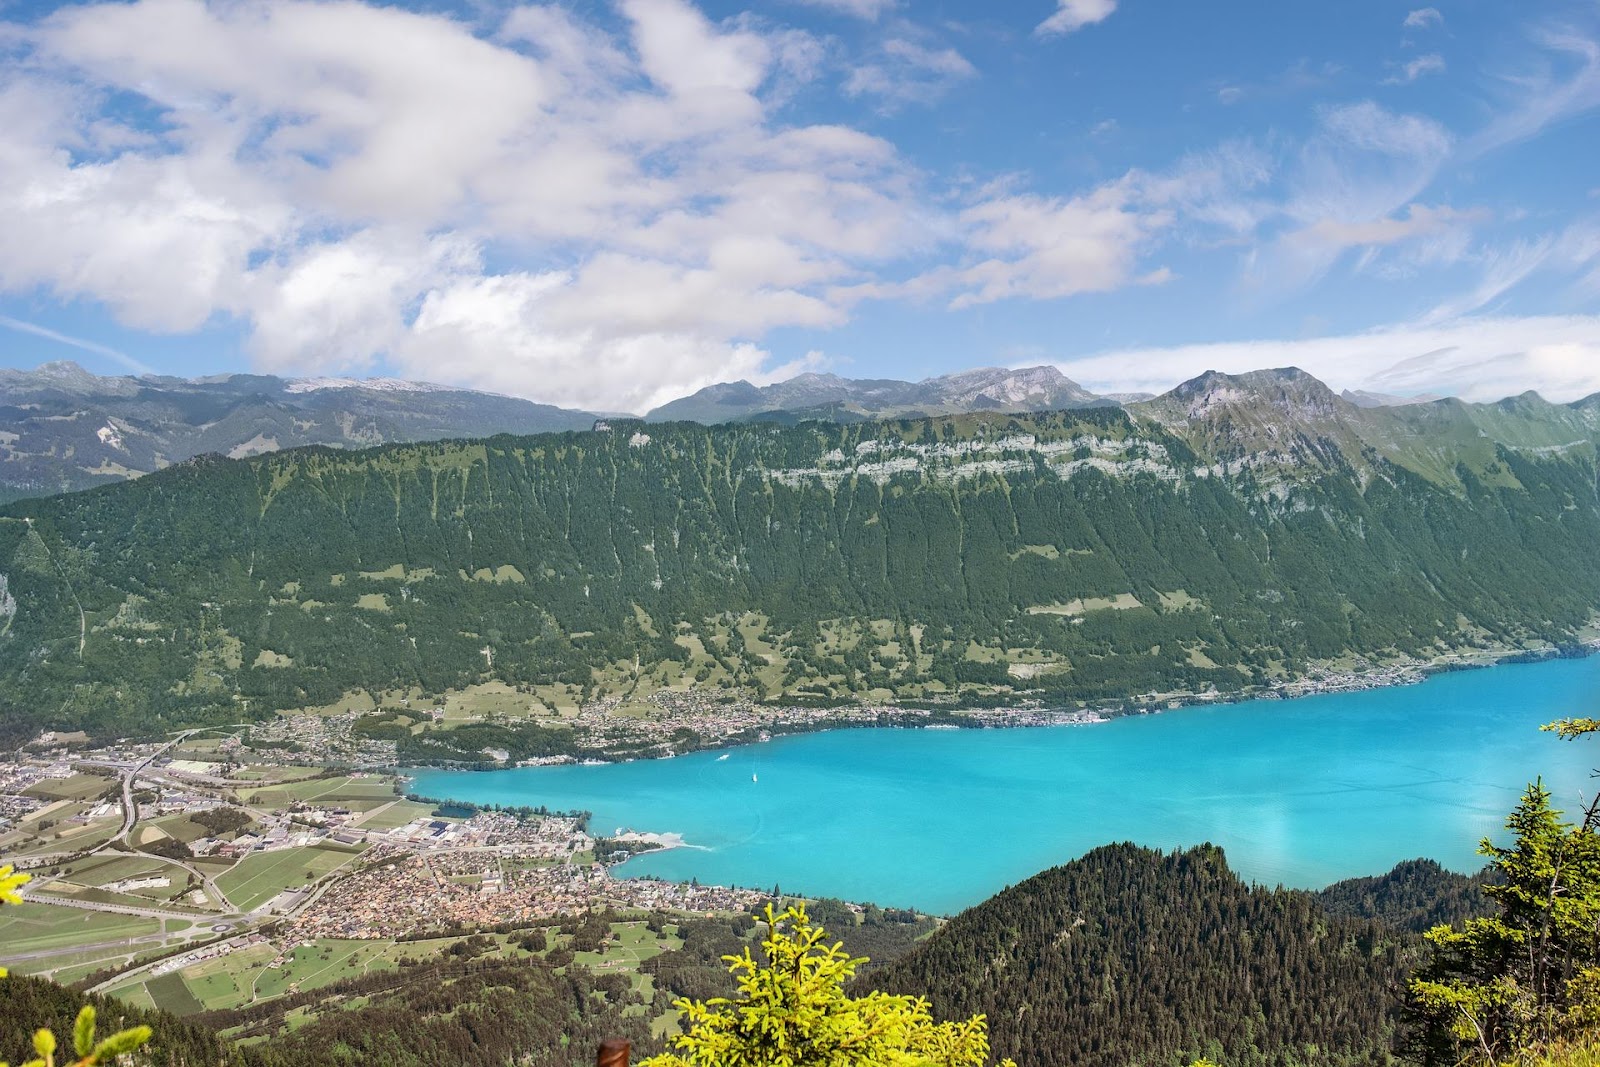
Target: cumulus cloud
point(1423, 17)
point(1074, 15)
point(1045, 248)
point(1474, 358)
point(511, 209)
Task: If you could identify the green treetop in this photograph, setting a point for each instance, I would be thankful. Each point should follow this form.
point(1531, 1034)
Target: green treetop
point(1526, 981)
point(794, 1012)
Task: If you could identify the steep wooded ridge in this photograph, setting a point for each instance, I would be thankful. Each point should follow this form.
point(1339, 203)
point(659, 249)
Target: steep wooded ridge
point(62, 428)
point(1220, 537)
point(1129, 956)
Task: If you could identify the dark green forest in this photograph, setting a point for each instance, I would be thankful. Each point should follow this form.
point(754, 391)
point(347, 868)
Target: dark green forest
point(1089, 556)
point(1130, 956)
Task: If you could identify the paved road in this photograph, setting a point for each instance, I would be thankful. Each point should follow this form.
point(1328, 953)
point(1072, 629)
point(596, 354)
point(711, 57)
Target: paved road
point(67, 950)
point(121, 909)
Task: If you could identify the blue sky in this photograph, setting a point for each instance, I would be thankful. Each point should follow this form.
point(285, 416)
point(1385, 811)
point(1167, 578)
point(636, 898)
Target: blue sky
point(610, 204)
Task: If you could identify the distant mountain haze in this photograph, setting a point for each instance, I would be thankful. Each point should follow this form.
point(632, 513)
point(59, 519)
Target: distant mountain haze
point(63, 428)
point(984, 389)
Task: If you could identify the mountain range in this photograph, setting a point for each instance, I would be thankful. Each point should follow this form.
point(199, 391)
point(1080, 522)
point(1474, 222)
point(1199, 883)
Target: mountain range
point(829, 397)
point(63, 428)
point(1221, 539)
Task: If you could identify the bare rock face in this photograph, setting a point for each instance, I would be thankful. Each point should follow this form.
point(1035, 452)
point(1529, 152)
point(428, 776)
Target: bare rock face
point(830, 397)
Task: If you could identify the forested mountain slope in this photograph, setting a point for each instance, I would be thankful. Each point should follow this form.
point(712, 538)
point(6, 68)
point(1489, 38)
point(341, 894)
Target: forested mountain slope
point(1129, 956)
point(1220, 537)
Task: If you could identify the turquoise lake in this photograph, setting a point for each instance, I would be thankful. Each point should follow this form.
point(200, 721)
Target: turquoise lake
point(1299, 792)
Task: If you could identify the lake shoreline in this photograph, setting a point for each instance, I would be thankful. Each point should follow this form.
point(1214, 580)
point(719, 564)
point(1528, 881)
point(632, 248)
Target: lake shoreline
point(1318, 682)
point(1344, 786)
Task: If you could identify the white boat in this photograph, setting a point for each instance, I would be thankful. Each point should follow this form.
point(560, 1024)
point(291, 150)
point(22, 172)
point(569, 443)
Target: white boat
point(724, 756)
point(752, 777)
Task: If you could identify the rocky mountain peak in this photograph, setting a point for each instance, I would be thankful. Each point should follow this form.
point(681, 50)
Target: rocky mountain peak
point(1286, 389)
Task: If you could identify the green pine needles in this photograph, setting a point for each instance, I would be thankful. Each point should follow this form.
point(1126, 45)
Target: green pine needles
point(794, 1012)
point(1525, 983)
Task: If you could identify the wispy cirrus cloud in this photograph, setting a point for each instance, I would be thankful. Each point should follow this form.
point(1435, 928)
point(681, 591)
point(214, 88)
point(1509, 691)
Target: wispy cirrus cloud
point(861, 9)
point(1561, 81)
point(1480, 359)
point(114, 354)
point(904, 71)
point(1411, 70)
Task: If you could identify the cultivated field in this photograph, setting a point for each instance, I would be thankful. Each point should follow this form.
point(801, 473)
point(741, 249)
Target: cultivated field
point(261, 876)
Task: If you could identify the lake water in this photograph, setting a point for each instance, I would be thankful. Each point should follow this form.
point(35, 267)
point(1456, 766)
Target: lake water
point(1300, 792)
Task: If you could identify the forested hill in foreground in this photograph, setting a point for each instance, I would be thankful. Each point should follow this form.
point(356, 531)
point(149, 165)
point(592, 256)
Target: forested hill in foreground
point(1223, 536)
point(1134, 956)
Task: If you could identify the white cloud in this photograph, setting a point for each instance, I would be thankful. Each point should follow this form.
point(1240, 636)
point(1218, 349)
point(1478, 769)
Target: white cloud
point(904, 71)
point(1419, 221)
point(1423, 17)
point(861, 9)
point(1563, 81)
point(1416, 68)
point(340, 177)
point(1474, 358)
point(1047, 248)
point(117, 355)
point(1073, 15)
point(1363, 165)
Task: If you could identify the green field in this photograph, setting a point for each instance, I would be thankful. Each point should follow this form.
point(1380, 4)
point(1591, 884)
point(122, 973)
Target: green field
point(323, 962)
point(261, 876)
point(632, 944)
point(78, 787)
point(227, 981)
point(356, 793)
point(170, 993)
point(180, 827)
point(103, 868)
point(33, 927)
point(397, 814)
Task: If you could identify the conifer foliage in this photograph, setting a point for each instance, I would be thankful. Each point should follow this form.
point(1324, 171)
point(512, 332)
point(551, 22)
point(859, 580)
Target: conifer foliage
point(1526, 980)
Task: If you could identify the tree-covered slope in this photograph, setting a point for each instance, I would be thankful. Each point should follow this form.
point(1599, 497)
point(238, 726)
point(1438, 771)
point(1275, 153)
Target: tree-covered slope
point(1093, 555)
point(1129, 956)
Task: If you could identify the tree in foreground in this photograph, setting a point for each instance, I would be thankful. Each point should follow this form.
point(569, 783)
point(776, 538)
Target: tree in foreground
point(88, 1051)
point(1523, 984)
point(794, 1012)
